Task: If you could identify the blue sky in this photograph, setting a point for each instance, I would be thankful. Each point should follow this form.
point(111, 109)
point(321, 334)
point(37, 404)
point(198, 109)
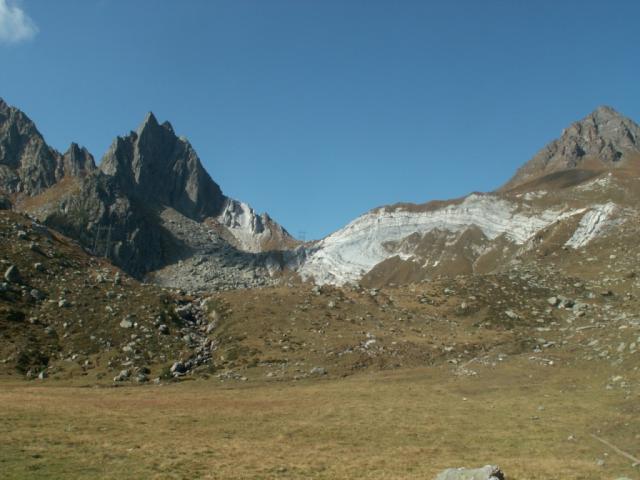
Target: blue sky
point(317, 111)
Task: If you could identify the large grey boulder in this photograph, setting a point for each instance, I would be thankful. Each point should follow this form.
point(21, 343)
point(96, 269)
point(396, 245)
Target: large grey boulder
point(12, 274)
point(488, 472)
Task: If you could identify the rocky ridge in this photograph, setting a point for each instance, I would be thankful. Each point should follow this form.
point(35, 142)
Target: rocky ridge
point(27, 164)
point(564, 198)
point(603, 139)
point(116, 210)
point(153, 210)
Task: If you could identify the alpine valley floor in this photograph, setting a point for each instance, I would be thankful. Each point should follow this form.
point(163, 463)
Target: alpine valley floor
point(517, 368)
point(533, 419)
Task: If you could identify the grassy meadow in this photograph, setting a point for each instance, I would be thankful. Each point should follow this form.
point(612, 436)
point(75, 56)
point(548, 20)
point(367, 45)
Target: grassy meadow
point(533, 420)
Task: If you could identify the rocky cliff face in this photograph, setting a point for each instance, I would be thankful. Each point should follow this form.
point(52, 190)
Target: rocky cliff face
point(120, 210)
point(154, 164)
point(603, 139)
point(27, 164)
point(111, 224)
point(76, 162)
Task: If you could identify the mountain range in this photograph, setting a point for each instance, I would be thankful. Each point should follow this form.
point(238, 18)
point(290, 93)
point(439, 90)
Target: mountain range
point(575, 190)
point(149, 184)
point(152, 209)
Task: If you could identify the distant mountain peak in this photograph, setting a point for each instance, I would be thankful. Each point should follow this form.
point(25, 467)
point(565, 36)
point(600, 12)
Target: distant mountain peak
point(74, 148)
point(150, 122)
point(76, 161)
point(153, 163)
point(27, 164)
point(167, 125)
point(603, 139)
point(604, 115)
point(605, 110)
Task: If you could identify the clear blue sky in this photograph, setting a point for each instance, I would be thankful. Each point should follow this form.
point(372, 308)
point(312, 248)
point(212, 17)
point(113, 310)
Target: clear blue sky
point(317, 111)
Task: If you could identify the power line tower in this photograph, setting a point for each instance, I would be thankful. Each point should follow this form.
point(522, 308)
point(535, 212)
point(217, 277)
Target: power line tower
point(107, 247)
point(302, 235)
point(102, 241)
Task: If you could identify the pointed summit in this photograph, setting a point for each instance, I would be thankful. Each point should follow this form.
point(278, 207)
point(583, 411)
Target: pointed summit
point(605, 110)
point(167, 125)
point(76, 162)
point(149, 121)
point(603, 139)
point(604, 115)
point(27, 163)
point(154, 164)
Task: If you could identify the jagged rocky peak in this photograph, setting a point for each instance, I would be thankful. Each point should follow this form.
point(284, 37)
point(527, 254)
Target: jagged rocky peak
point(27, 163)
point(603, 139)
point(605, 133)
point(153, 163)
point(76, 162)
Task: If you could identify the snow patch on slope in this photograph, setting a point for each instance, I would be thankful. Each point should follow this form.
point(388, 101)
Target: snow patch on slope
point(247, 227)
point(349, 253)
point(533, 195)
point(599, 183)
point(591, 225)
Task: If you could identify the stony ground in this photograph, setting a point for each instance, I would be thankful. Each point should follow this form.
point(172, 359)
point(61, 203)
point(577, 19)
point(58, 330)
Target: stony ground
point(65, 314)
point(519, 368)
point(208, 261)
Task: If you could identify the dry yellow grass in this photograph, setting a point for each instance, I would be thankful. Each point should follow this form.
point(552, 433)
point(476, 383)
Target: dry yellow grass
point(388, 425)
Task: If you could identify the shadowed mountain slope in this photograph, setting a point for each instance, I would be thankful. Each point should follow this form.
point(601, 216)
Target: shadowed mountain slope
point(120, 209)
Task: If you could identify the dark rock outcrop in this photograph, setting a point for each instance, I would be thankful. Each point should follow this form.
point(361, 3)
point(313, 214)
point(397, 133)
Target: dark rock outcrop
point(76, 162)
point(27, 164)
point(109, 223)
point(5, 203)
point(116, 210)
point(119, 210)
point(113, 214)
point(154, 164)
